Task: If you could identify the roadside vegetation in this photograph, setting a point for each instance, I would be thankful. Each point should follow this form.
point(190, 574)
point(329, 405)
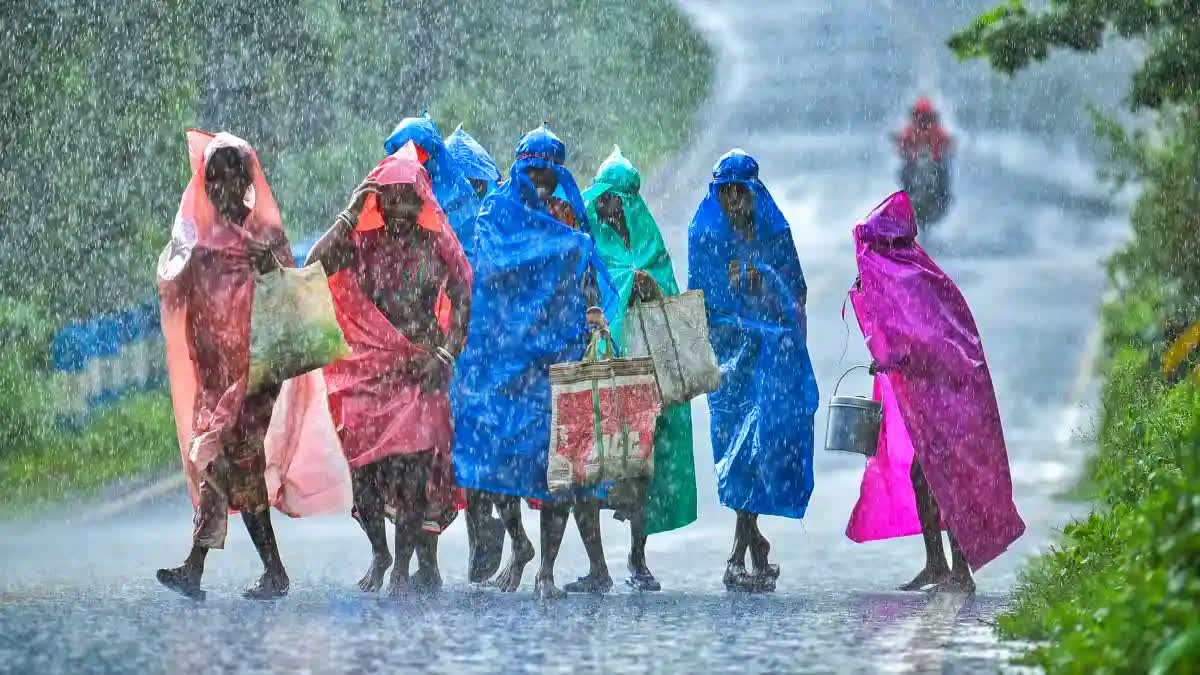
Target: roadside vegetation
point(1120, 593)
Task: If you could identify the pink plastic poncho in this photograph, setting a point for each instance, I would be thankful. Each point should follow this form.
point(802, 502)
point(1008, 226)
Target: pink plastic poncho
point(887, 505)
point(206, 289)
point(377, 403)
point(920, 331)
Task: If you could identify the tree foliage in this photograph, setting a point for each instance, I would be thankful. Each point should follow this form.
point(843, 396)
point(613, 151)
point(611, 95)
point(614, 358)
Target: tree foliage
point(98, 95)
point(1120, 593)
point(1011, 37)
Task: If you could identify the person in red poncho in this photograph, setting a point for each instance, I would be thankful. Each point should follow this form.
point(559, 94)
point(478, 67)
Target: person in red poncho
point(402, 292)
point(924, 132)
point(242, 451)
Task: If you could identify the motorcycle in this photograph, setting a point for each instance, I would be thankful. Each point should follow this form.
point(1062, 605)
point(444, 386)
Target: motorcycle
point(927, 182)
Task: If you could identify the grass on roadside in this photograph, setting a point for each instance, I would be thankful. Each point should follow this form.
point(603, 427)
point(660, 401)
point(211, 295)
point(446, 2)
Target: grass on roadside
point(133, 438)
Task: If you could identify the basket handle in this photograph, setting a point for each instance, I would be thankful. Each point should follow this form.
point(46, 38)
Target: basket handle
point(852, 369)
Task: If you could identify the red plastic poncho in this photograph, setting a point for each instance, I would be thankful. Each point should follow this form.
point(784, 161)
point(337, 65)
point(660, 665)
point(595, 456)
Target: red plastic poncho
point(378, 405)
point(206, 288)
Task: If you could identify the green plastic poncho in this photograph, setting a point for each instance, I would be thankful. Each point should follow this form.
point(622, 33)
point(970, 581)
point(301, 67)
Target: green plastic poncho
point(671, 502)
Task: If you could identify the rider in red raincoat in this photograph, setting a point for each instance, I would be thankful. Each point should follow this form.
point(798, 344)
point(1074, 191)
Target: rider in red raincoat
point(924, 131)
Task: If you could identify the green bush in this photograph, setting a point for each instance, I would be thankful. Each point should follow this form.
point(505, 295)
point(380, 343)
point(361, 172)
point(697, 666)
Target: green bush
point(26, 405)
point(128, 439)
point(1119, 594)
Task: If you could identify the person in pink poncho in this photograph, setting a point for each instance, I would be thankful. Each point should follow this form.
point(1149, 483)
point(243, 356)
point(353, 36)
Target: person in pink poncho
point(941, 459)
point(402, 292)
point(241, 451)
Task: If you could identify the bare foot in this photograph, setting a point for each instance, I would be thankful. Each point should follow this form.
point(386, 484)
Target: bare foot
point(765, 583)
point(183, 580)
point(737, 579)
point(372, 581)
point(398, 583)
point(760, 553)
point(640, 577)
point(956, 583)
point(926, 577)
point(544, 589)
point(427, 580)
point(590, 584)
point(269, 587)
point(509, 579)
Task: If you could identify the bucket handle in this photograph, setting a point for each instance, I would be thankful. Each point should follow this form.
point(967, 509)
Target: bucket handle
point(852, 369)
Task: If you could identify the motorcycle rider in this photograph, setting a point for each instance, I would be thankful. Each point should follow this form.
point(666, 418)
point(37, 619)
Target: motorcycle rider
point(925, 134)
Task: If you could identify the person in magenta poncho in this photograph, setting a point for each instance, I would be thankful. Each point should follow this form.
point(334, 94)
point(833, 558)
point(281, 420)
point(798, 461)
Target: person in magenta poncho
point(242, 451)
point(402, 292)
point(942, 458)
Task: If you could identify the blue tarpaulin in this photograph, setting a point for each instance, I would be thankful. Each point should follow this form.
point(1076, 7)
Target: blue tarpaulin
point(528, 312)
point(762, 415)
point(473, 160)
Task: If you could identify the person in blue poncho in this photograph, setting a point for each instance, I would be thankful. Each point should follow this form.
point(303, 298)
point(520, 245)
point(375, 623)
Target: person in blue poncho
point(475, 162)
point(741, 254)
point(539, 290)
point(454, 193)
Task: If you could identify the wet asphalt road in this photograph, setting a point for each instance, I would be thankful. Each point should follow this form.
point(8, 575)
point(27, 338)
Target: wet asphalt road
point(811, 89)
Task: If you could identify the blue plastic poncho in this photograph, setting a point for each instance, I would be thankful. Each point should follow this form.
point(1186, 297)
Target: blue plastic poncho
point(454, 193)
point(762, 415)
point(528, 312)
point(474, 162)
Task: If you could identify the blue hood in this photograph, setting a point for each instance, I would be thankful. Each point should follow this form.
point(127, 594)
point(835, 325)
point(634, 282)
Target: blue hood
point(454, 193)
point(473, 160)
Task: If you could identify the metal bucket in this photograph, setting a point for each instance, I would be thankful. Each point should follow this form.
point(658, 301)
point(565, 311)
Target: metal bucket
point(853, 422)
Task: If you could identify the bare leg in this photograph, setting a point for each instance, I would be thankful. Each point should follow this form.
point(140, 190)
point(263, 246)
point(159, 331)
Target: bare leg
point(640, 577)
point(959, 579)
point(936, 569)
point(274, 582)
point(368, 501)
point(587, 519)
point(485, 537)
point(410, 511)
point(736, 578)
point(210, 522)
point(185, 579)
point(428, 578)
point(760, 550)
point(522, 551)
point(554, 525)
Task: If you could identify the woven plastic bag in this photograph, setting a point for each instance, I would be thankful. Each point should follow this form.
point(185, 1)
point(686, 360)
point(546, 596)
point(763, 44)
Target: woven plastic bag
point(674, 333)
point(293, 328)
point(602, 420)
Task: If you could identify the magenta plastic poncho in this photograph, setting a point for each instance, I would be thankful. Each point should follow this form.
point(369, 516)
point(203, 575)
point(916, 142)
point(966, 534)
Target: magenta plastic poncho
point(920, 331)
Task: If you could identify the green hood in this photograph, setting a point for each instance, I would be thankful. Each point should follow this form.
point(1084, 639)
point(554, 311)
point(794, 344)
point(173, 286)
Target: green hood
point(646, 251)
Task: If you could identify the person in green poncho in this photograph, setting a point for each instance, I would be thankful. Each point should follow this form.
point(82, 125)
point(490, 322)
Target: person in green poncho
point(632, 248)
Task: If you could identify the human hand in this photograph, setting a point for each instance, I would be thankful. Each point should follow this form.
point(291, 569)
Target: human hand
point(260, 255)
point(358, 198)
